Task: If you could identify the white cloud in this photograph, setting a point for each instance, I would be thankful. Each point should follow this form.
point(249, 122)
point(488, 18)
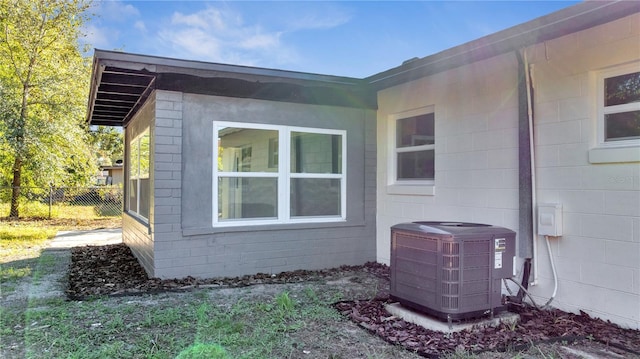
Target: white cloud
point(140, 25)
point(116, 10)
point(110, 20)
point(196, 42)
point(220, 35)
point(210, 18)
point(261, 41)
point(98, 37)
point(317, 21)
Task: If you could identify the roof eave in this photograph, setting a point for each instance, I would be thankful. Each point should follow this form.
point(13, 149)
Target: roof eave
point(173, 74)
point(158, 64)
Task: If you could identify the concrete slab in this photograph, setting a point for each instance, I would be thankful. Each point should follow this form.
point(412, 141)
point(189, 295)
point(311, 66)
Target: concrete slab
point(99, 237)
point(437, 325)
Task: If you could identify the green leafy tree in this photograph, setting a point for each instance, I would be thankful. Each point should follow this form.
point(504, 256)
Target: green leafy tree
point(43, 88)
point(108, 144)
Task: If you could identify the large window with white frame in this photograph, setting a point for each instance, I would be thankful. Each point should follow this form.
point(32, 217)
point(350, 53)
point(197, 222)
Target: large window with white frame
point(412, 138)
point(139, 191)
point(278, 174)
point(619, 106)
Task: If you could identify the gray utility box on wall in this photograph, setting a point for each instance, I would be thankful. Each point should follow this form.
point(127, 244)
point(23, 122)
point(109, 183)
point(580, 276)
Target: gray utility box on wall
point(450, 270)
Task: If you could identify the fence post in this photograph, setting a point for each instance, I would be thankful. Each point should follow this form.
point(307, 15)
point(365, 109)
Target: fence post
point(50, 199)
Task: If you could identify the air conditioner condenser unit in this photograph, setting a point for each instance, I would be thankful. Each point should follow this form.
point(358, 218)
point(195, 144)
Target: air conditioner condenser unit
point(450, 270)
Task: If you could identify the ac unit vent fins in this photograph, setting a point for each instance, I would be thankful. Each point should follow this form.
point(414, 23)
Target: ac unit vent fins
point(452, 270)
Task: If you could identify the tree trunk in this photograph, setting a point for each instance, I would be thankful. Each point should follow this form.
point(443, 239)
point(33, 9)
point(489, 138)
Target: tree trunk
point(15, 184)
point(17, 163)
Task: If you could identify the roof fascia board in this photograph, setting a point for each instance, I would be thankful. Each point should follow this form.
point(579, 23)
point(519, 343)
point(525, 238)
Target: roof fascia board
point(554, 25)
point(158, 64)
point(96, 75)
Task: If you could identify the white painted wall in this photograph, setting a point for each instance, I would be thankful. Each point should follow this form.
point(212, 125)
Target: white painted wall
point(476, 149)
point(598, 258)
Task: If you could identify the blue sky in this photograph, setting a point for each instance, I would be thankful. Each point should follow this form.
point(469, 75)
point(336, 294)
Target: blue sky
point(346, 38)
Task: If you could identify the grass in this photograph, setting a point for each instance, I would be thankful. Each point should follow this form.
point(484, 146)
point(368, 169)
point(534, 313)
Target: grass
point(182, 327)
point(21, 243)
point(153, 326)
point(280, 321)
point(20, 246)
point(41, 210)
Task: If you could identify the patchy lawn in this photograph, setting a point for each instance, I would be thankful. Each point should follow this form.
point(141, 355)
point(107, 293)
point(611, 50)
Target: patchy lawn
point(328, 314)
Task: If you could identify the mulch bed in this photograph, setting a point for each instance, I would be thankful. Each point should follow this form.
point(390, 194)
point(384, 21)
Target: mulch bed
point(113, 270)
point(535, 327)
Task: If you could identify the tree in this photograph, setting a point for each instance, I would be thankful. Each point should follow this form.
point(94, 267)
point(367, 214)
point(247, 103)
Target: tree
point(108, 144)
point(43, 84)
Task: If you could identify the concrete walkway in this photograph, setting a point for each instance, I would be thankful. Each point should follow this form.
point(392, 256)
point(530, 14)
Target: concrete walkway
point(98, 237)
point(54, 261)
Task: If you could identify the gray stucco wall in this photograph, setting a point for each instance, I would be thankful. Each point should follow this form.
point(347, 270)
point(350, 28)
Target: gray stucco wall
point(185, 241)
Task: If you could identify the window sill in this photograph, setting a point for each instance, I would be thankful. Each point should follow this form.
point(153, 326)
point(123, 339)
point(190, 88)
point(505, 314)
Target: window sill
point(189, 232)
point(614, 154)
point(411, 190)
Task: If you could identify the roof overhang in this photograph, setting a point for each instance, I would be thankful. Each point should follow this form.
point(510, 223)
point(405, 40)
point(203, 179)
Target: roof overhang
point(563, 22)
point(121, 82)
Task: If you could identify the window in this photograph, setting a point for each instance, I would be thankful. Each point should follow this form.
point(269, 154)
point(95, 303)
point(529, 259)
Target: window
point(619, 106)
point(278, 174)
point(138, 200)
point(618, 115)
point(414, 148)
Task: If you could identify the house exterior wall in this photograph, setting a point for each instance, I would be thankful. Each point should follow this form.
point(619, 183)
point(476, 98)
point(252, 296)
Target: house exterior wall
point(184, 239)
point(598, 257)
point(135, 233)
point(117, 176)
point(476, 139)
point(476, 161)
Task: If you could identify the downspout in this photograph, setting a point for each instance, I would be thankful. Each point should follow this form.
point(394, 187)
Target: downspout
point(527, 247)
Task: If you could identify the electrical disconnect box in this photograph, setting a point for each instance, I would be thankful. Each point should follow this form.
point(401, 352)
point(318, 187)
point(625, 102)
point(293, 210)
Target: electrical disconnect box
point(550, 219)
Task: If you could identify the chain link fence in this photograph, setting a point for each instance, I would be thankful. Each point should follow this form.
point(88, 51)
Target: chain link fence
point(64, 202)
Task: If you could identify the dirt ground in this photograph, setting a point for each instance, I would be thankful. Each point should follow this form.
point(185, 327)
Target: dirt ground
point(365, 292)
point(365, 329)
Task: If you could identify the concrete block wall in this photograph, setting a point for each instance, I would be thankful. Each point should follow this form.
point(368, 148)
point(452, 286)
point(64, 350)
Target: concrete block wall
point(250, 252)
point(476, 149)
point(136, 236)
point(136, 233)
point(166, 200)
point(598, 257)
point(186, 243)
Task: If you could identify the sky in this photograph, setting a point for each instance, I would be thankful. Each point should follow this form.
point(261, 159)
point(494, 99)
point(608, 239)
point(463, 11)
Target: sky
point(343, 38)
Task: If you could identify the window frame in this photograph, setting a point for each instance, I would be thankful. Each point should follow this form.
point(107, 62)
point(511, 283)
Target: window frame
point(603, 110)
point(138, 176)
point(407, 186)
point(283, 174)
